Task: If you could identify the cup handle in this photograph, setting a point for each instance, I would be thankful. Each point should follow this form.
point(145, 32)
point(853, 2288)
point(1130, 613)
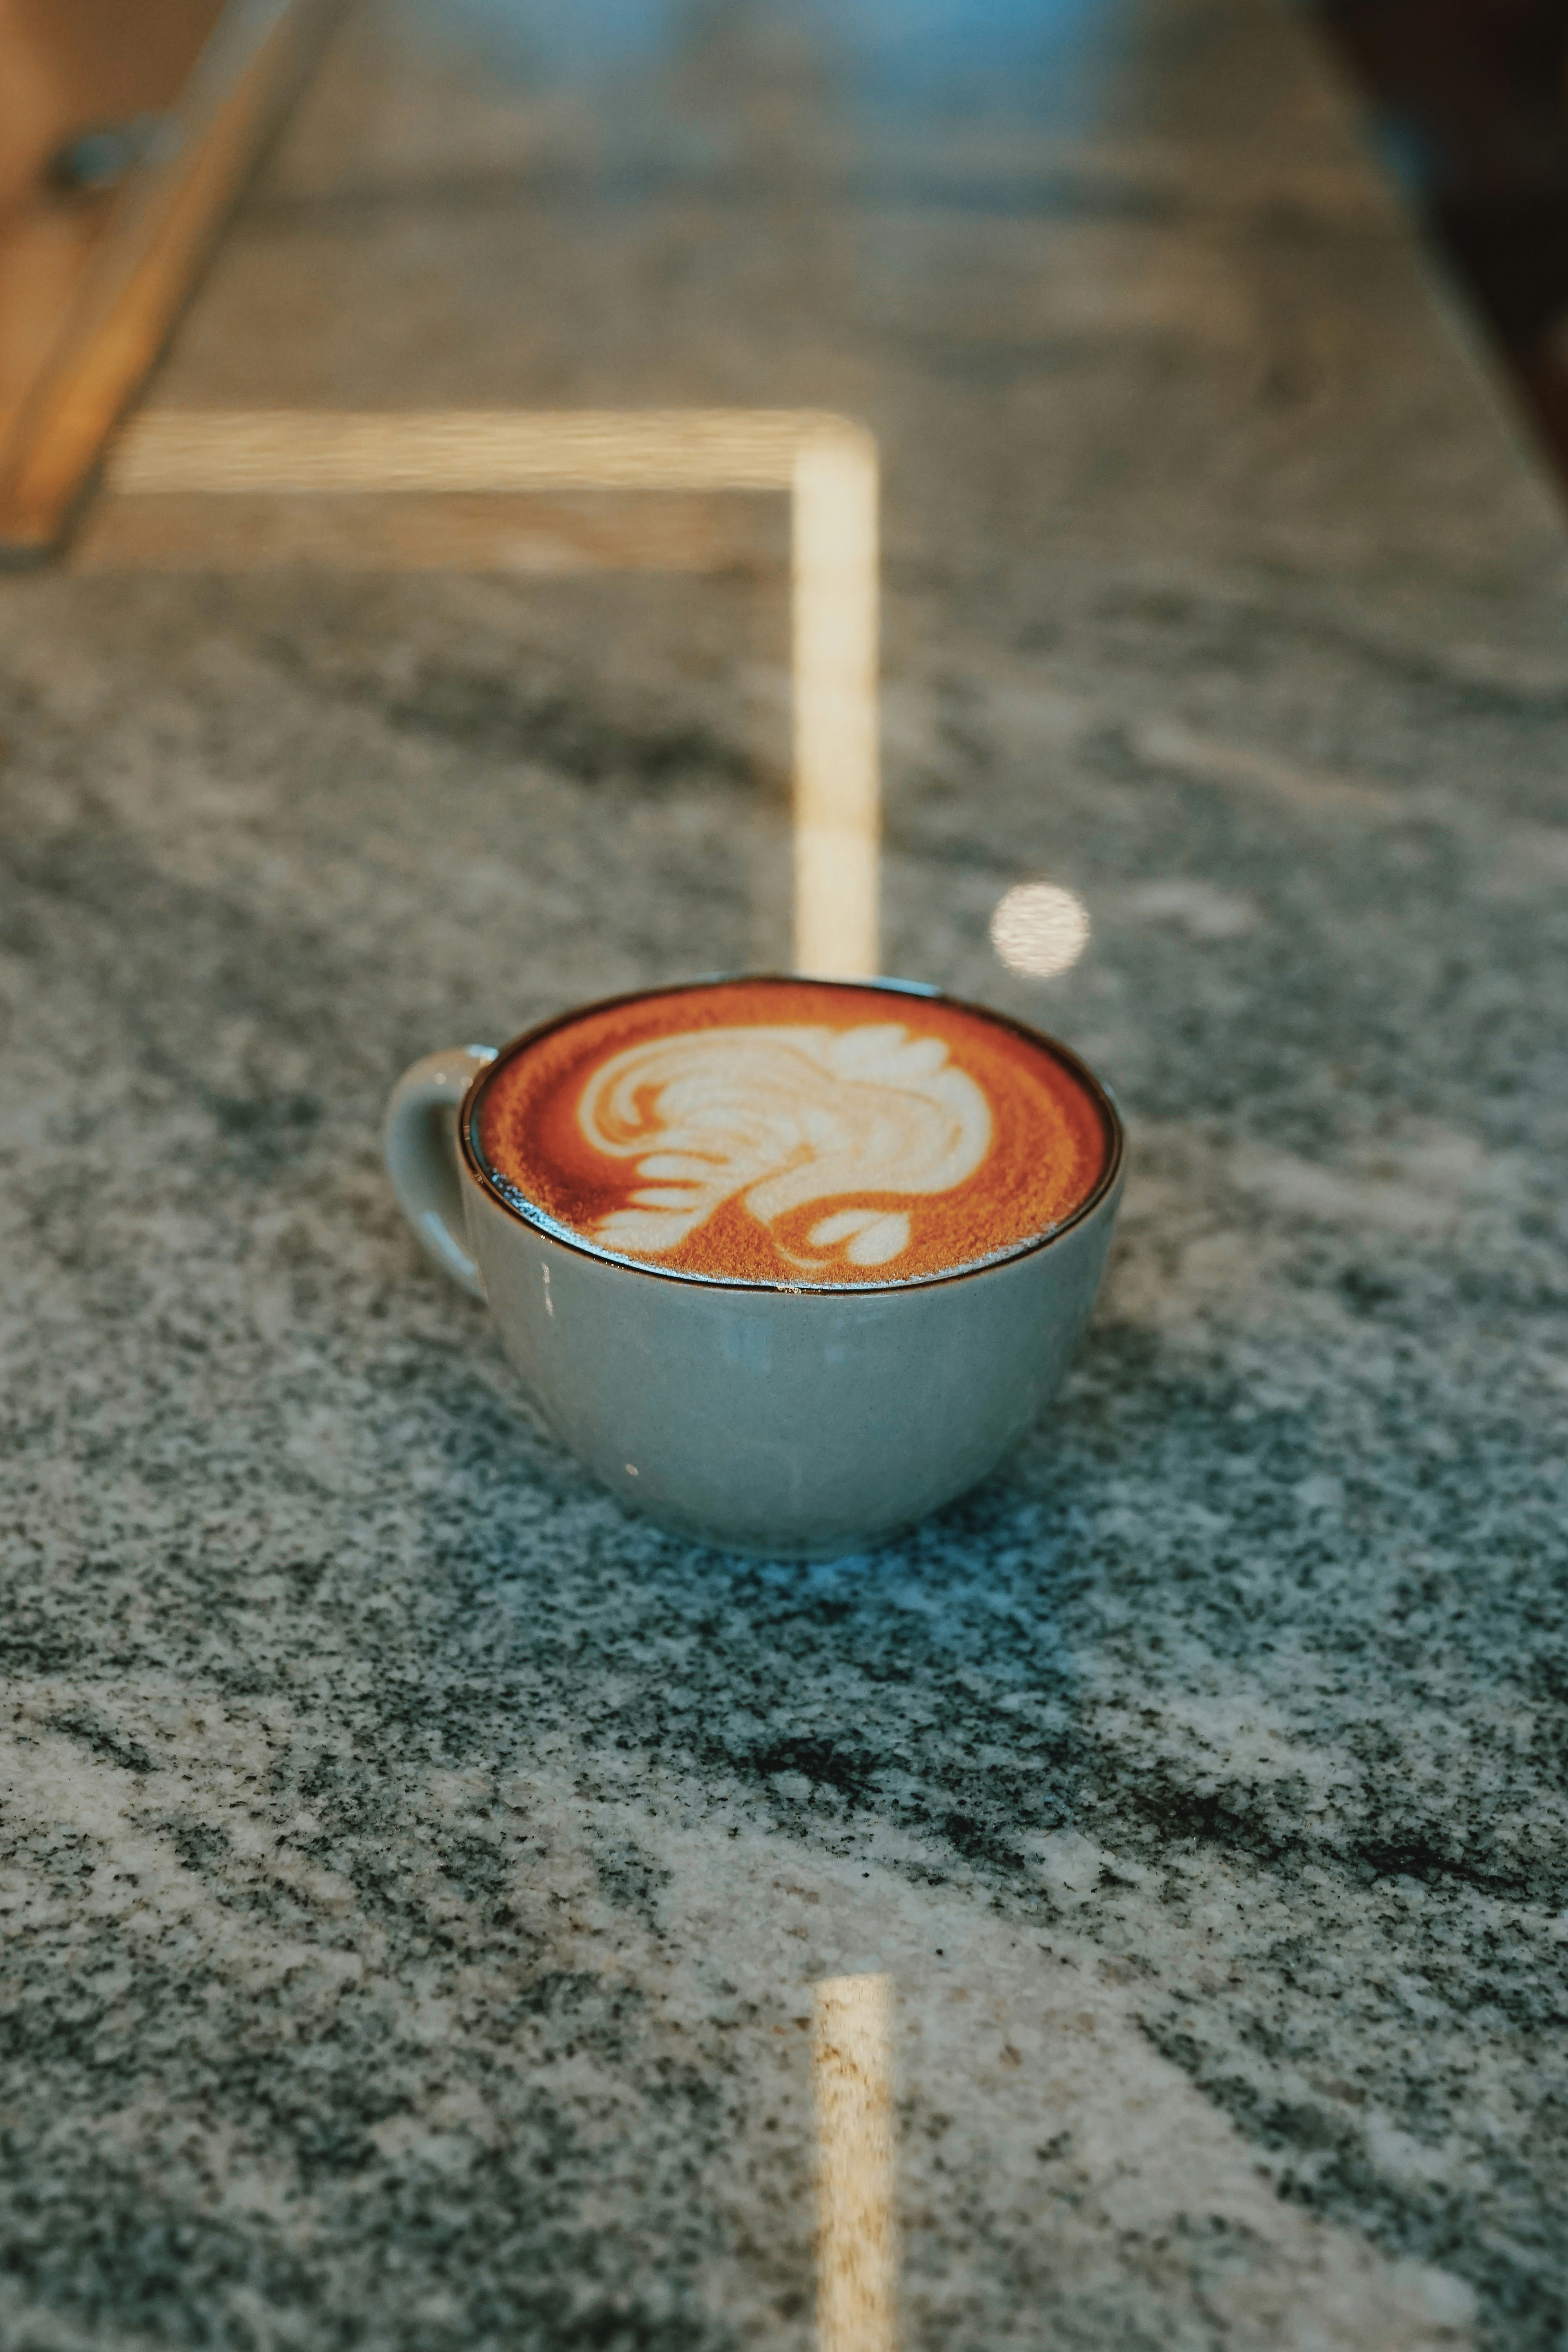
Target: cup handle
point(419, 1145)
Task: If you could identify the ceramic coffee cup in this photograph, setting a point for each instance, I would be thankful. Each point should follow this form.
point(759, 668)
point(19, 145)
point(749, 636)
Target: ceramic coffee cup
point(789, 1420)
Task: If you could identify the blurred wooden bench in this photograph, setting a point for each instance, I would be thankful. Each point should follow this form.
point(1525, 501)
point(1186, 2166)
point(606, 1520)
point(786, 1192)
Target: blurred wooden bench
point(127, 129)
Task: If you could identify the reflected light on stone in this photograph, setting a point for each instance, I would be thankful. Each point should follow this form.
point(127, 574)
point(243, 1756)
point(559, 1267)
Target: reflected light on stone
point(1039, 929)
point(852, 2078)
point(837, 786)
point(827, 466)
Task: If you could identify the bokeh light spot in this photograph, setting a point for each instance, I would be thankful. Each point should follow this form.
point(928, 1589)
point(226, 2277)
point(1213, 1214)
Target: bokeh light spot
point(1039, 929)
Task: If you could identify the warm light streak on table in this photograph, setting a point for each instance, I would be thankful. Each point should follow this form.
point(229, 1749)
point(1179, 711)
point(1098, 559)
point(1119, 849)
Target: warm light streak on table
point(857, 2244)
point(826, 464)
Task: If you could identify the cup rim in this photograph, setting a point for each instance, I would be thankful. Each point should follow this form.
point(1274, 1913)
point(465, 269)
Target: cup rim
point(516, 1204)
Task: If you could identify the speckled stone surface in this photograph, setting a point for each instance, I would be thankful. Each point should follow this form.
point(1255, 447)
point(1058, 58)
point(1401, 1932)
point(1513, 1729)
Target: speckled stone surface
point(415, 1871)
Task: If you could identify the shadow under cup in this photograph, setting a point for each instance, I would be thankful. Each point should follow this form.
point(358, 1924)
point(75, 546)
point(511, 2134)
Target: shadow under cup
point(789, 1418)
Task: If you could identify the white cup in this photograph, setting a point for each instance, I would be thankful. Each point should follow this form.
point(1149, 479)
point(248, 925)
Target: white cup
point(798, 1422)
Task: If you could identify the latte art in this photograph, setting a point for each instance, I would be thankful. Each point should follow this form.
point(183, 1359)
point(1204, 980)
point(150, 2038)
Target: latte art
point(792, 1131)
point(783, 1119)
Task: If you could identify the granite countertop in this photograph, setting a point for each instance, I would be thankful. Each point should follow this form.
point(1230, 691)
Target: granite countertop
point(414, 1871)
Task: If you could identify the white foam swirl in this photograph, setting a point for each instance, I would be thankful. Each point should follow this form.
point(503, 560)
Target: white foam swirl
point(783, 1118)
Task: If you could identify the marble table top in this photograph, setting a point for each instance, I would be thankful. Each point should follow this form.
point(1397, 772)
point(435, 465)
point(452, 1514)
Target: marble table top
point(419, 1878)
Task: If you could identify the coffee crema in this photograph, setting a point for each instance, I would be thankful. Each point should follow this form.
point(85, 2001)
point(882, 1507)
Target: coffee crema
point(793, 1131)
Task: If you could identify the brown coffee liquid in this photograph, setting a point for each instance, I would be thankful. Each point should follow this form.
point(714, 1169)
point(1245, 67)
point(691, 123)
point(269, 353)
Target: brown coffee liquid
point(794, 1132)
